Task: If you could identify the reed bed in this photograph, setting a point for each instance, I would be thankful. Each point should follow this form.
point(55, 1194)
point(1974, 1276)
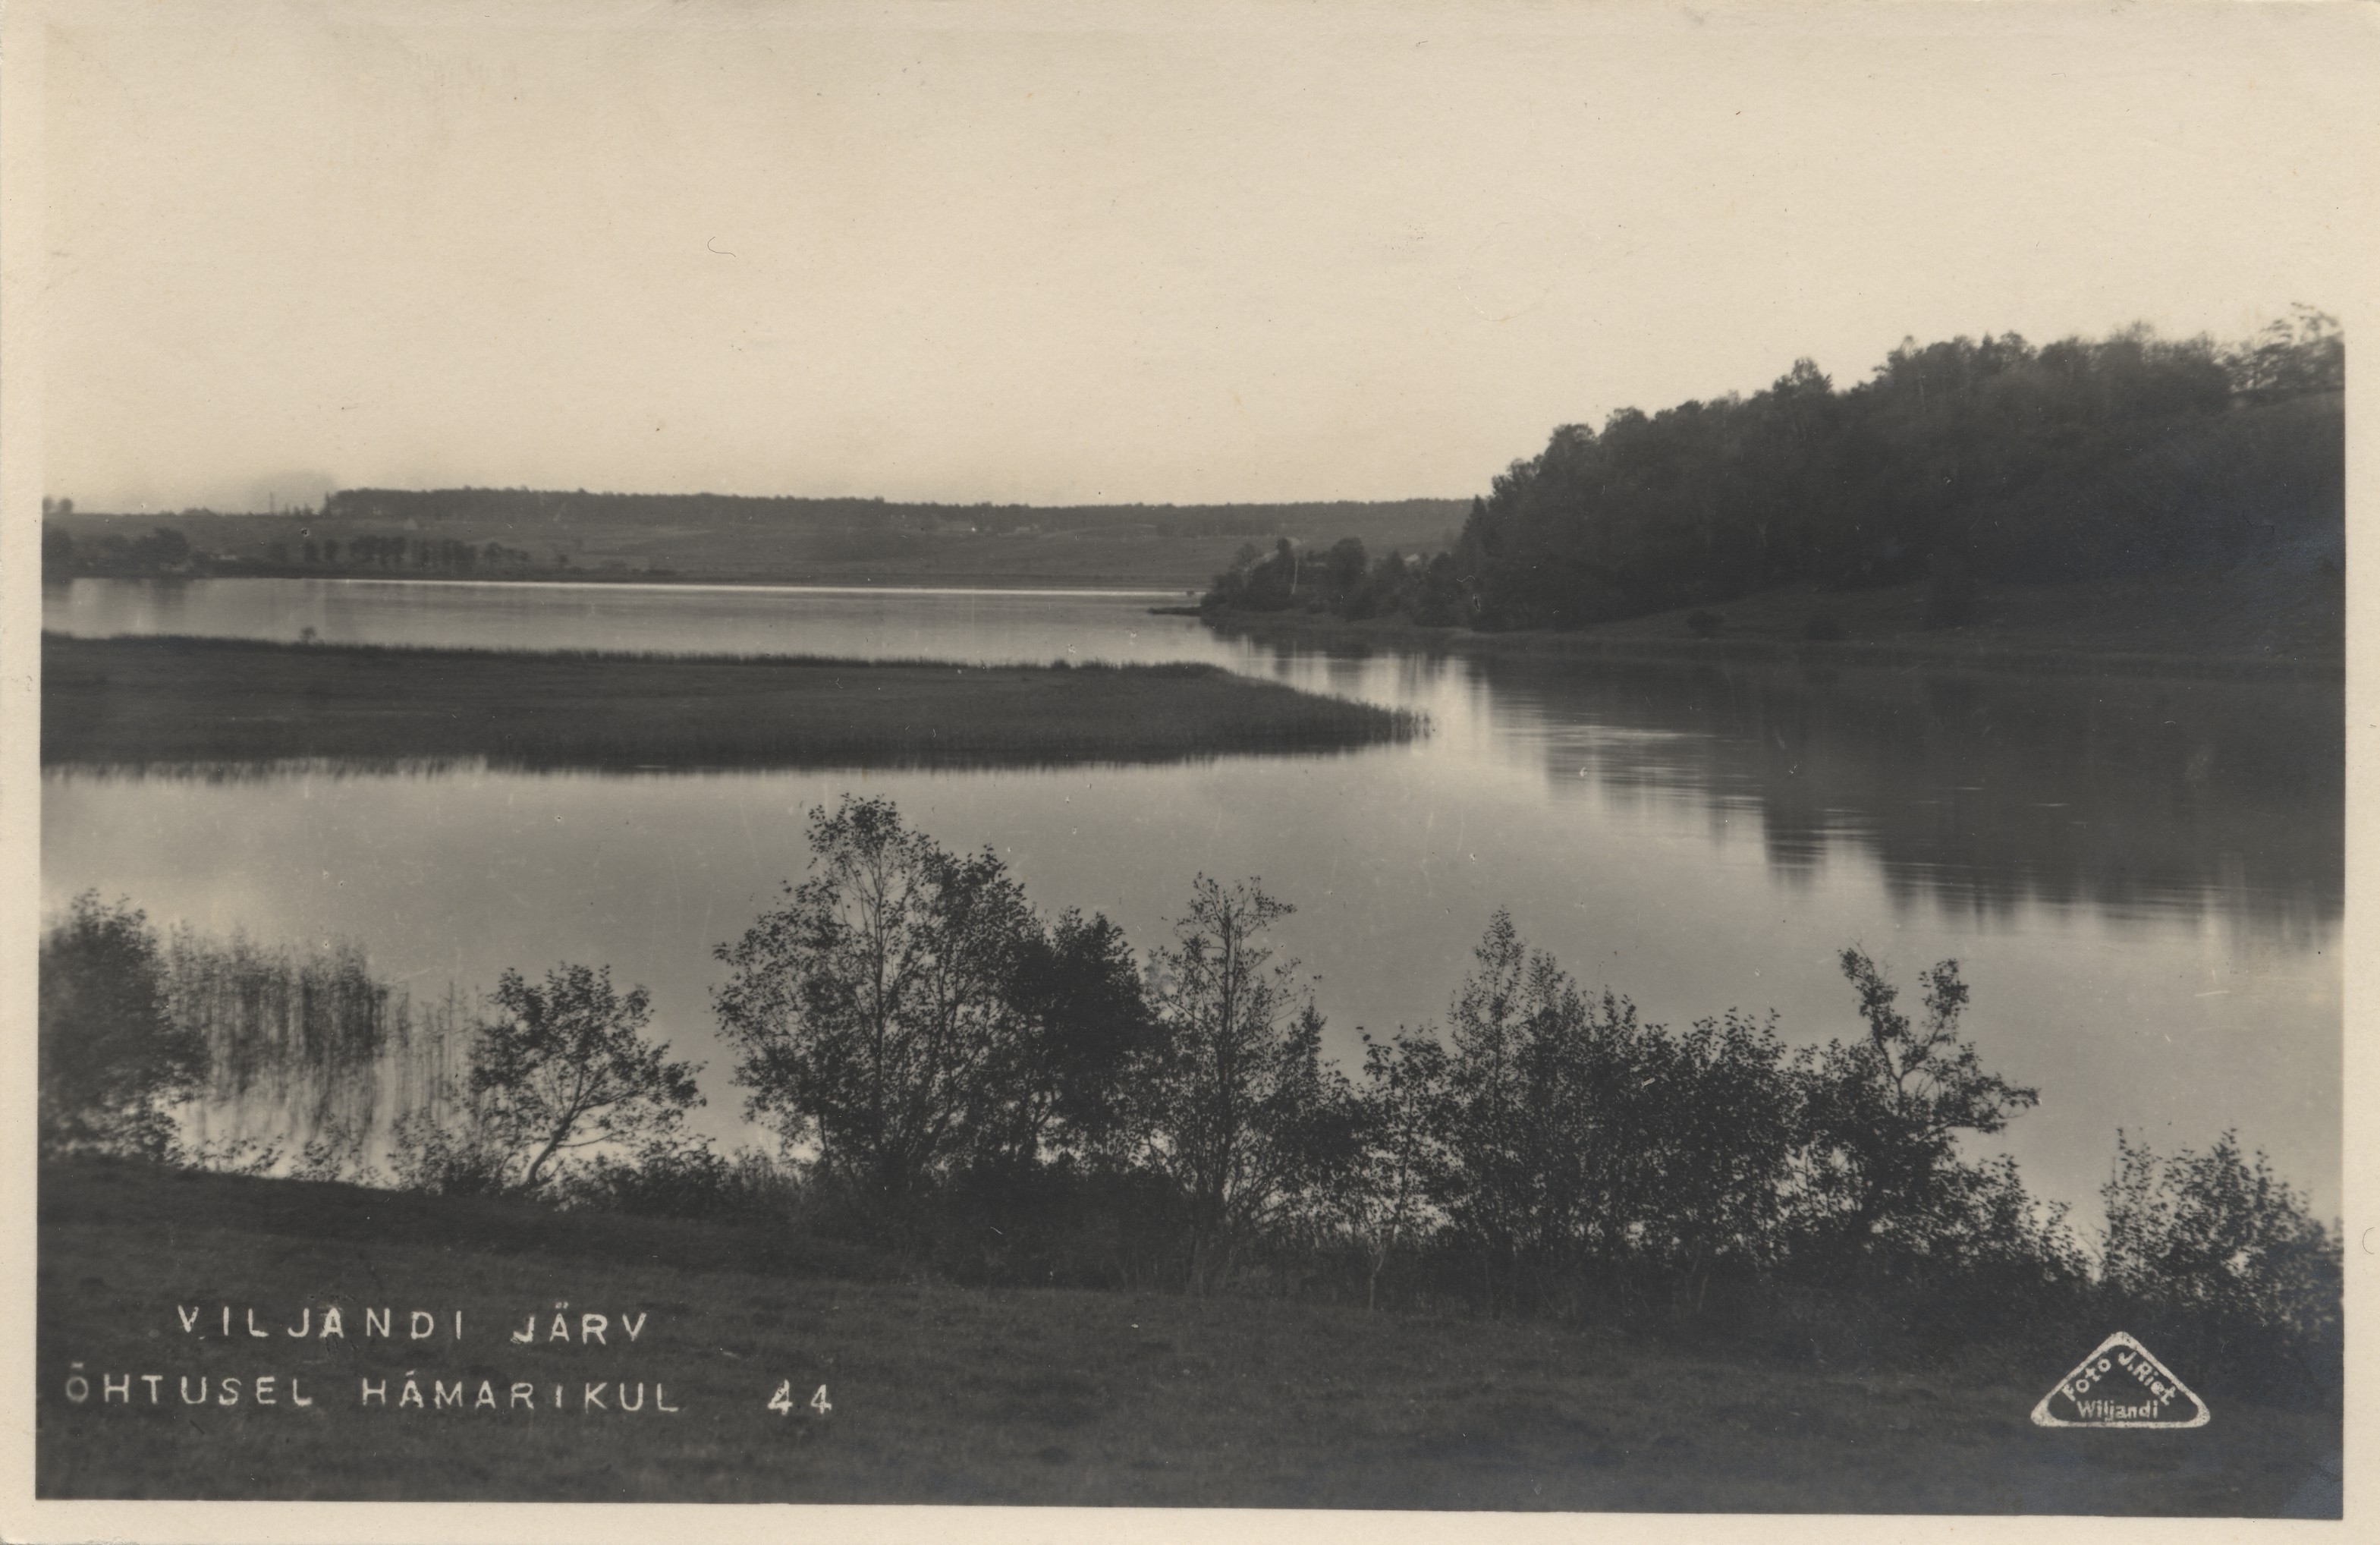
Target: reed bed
point(308, 1051)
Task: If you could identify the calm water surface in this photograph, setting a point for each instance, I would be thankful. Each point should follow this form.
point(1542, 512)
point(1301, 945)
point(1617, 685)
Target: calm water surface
point(2141, 879)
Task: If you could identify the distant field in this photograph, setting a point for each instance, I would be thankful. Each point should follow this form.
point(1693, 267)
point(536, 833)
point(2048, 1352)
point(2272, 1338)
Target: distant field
point(945, 1394)
point(1161, 547)
point(236, 702)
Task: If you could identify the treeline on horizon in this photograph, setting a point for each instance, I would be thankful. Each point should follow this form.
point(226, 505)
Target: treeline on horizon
point(166, 550)
point(530, 507)
point(1959, 463)
point(996, 1096)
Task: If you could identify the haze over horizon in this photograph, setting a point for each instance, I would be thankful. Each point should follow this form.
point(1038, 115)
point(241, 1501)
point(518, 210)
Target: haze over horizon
point(1107, 256)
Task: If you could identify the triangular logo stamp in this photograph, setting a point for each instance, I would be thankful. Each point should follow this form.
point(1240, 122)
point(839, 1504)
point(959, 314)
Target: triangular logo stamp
point(2120, 1385)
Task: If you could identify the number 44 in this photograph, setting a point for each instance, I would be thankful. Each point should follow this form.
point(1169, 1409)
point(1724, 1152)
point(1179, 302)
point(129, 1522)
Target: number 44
point(783, 1401)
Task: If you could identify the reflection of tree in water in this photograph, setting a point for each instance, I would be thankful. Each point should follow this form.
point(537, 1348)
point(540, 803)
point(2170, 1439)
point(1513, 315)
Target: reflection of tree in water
point(308, 1047)
point(1983, 791)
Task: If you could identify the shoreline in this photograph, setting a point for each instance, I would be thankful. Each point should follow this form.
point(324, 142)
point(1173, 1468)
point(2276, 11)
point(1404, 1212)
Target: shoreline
point(1977, 654)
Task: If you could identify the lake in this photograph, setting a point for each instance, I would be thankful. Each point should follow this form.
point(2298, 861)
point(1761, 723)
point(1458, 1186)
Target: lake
point(2141, 878)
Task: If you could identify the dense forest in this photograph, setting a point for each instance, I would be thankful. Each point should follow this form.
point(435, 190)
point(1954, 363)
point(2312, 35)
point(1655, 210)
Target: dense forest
point(995, 1094)
point(1961, 463)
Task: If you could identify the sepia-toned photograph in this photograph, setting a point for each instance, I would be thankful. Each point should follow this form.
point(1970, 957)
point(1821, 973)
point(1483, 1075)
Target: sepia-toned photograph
point(1504, 759)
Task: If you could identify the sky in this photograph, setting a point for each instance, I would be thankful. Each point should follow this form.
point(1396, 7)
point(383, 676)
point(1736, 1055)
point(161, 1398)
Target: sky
point(1063, 254)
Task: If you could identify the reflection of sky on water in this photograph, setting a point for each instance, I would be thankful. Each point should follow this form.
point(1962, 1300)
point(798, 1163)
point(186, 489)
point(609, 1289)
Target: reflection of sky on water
point(1029, 626)
point(2143, 880)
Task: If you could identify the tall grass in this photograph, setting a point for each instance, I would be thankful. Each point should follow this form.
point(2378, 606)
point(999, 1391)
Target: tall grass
point(310, 1057)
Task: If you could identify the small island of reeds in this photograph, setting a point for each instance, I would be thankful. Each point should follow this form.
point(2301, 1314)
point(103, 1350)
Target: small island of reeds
point(172, 701)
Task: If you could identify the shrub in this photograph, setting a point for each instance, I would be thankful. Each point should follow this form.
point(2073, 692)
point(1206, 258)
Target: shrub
point(2225, 1261)
point(1882, 1174)
point(685, 1180)
point(238, 1155)
point(335, 1153)
point(114, 1065)
point(869, 1009)
point(1237, 1091)
point(445, 1158)
point(567, 1066)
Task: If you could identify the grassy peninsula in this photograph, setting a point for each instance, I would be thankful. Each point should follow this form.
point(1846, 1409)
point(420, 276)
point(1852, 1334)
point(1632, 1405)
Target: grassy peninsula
point(156, 702)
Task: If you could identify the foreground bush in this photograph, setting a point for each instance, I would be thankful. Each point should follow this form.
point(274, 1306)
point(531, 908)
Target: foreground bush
point(2220, 1259)
point(999, 1098)
point(114, 1062)
point(688, 1180)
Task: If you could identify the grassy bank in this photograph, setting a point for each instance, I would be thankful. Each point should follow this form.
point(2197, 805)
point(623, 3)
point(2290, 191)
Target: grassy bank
point(2283, 618)
point(232, 703)
point(941, 1393)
